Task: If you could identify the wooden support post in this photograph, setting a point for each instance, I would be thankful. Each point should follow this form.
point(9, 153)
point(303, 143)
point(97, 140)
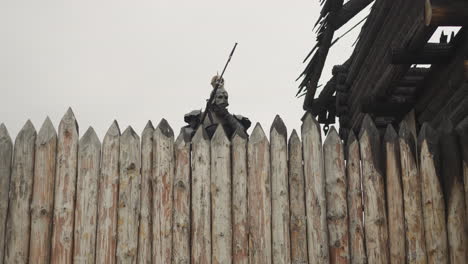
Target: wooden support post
point(446, 13)
point(145, 232)
point(415, 240)
point(42, 204)
point(374, 194)
point(259, 197)
point(432, 197)
point(181, 219)
point(279, 192)
point(337, 209)
point(128, 212)
point(221, 224)
point(451, 170)
point(6, 152)
point(240, 228)
point(298, 222)
point(106, 240)
point(462, 131)
point(355, 206)
point(317, 234)
point(65, 183)
point(201, 197)
point(89, 156)
point(396, 218)
point(162, 184)
point(19, 214)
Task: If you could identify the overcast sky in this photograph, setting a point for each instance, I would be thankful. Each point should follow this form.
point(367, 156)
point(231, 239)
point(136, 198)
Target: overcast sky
point(136, 61)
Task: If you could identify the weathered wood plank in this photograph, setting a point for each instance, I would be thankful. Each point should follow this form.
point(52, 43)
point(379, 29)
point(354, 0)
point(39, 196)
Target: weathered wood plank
point(240, 241)
point(181, 230)
point(6, 153)
point(396, 217)
point(279, 192)
point(337, 209)
point(454, 194)
point(145, 232)
point(432, 197)
point(415, 240)
point(106, 243)
point(89, 156)
point(42, 203)
point(65, 183)
point(128, 211)
point(355, 205)
point(462, 131)
point(163, 181)
point(221, 224)
point(19, 215)
point(201, 214)
point(314, 174)
point(298, 225)
point(259, 197)
point(376, 232)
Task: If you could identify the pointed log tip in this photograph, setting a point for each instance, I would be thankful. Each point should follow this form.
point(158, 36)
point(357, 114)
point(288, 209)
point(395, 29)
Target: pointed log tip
point(181, 140)
point(309, 122)
point(69, 119)
point(165, 128)
point(369, 126)
point(219, 135)
point(114, 129)
point(46, 132)
point(4, 132)
point(351, 138)
point(390, 134)
point(69, 114)
point(90, 136)
point(148, 130)
point(257, 134)
point(429, 135)
point(200, 135)
point(294, 137)
point(333, 137)
point(149, 125)
point(239, 133)
point(129, 132)
point(279, 126)
point(28, 126)
point(404, 131)
point(462, 127)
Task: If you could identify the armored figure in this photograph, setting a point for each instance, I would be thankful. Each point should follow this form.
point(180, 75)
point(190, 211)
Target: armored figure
point(216, 114)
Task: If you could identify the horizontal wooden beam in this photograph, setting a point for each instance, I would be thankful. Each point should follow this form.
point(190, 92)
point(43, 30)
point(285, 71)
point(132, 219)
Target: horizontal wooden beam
point(446, 12)
point(432, 53)
point(383, 108)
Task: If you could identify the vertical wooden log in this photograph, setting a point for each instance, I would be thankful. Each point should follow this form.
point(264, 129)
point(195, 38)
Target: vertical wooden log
point(65, 183)
point(240, 239)
point(375, 216)
point(163, 182)
point(279, 192)
point(396, 217)
point(337, 209)
point(89, 156)
point(415, 240)
point(317, 233)
point(297, 201)
point(181, 235)
point(432, 197)
point(6, 152)
point(106, 242)
point(129, 197)
point(259, 197)
point(462, 131)
point(145, 232)
point(221, 223)
point(201, 214)
point(18, 220)
point(43, 193)
point(451, 170)
point(355, 206)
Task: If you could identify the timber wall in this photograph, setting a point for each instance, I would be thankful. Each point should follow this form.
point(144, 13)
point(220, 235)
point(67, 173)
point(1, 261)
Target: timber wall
point(157, 199)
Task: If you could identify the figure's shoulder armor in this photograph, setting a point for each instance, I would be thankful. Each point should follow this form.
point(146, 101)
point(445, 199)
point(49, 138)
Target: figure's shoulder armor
point(193, 115)
point(244, 121)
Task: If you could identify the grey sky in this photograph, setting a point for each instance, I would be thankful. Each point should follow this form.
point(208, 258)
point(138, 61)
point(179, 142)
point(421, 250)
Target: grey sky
point(136, 61)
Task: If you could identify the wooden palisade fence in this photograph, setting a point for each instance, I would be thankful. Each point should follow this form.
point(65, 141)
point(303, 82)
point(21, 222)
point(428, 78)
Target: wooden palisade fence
point(160, 199)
